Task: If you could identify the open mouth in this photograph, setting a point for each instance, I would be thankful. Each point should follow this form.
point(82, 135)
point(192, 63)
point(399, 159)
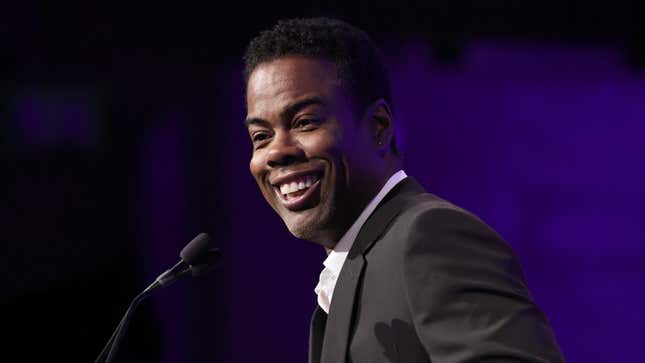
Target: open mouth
point(299, 192)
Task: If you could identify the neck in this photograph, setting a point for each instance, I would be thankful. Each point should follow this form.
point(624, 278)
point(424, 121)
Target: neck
point(346, 218)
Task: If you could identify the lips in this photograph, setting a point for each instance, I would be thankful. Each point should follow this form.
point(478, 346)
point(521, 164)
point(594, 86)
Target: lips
point(298, 191)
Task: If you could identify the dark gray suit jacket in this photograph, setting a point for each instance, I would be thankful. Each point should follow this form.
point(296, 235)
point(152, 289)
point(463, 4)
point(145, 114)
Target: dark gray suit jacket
point(426, 281)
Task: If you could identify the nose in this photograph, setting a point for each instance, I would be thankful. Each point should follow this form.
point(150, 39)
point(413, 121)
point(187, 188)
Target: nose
point(284, 150)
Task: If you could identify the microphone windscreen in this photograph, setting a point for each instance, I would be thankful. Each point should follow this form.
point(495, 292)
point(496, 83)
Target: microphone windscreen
point(195, 249)
point(209, 261)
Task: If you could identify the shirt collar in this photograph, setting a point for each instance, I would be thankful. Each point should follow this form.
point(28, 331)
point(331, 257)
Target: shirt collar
point(336, 257)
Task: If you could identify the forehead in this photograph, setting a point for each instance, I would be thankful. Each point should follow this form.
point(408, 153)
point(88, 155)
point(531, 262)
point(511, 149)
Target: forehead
point(276, 84)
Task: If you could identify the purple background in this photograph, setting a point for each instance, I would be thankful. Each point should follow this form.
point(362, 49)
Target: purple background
point(116, 154)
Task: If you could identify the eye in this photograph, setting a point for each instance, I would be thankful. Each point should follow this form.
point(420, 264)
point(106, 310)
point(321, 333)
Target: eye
point(306, 123)
point(259, 136)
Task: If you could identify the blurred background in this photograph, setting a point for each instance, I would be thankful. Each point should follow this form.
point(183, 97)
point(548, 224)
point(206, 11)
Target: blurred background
point(121, 138)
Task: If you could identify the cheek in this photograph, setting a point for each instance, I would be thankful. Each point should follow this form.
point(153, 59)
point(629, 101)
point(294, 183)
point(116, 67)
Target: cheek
point(257, 171)
point(255, 166)
point(322, 143)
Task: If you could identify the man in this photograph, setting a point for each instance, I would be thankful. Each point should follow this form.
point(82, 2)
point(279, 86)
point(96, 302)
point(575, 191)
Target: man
point(409, 277)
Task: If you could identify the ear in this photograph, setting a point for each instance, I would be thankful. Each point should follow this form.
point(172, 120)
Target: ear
point(379, 119)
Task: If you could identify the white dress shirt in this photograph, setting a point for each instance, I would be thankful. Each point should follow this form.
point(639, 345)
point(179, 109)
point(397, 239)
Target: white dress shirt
point(336, 258)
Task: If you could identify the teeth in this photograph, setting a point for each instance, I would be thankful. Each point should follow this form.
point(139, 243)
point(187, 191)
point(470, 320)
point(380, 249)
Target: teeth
point(302, 183)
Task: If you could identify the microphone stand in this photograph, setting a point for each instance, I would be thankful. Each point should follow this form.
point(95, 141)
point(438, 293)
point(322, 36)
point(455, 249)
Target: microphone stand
point(112, 346)
point(196, 257)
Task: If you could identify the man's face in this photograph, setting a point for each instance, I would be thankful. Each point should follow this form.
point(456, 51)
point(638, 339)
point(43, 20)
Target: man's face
point(314, 162)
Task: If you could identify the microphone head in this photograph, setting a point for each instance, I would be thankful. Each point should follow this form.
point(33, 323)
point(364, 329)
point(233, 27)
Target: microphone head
point(196, 249)
point(208, 261)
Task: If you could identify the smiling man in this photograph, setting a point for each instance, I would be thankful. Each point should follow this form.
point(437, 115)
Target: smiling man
point(409, 277)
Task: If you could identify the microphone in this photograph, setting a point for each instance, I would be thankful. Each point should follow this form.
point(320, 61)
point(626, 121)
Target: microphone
point(196, 257)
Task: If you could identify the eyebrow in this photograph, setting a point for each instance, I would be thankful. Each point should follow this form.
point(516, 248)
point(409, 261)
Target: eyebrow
point(288, 112)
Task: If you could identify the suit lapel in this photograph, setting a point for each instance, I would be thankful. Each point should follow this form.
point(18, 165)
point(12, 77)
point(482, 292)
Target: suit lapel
point(340, 319)
point(340, 312)
point(316, 332)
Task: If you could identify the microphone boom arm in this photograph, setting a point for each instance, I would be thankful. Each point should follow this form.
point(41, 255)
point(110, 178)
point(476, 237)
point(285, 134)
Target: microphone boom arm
point(199, 258)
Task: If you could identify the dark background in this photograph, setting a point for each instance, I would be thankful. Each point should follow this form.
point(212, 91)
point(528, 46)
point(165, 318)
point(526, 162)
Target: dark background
point(121, 138)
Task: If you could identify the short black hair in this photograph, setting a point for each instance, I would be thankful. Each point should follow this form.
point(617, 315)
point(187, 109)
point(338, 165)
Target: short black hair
point(357, 59)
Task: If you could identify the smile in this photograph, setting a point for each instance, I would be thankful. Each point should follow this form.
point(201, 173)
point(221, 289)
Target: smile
point(298, 192)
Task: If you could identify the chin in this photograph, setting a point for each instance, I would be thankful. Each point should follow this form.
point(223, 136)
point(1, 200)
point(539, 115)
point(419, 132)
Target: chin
point(306, 232)
point(311, 225)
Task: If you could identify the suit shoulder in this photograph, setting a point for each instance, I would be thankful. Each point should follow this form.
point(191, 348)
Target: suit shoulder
point(437, 233)
point(428, 210)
